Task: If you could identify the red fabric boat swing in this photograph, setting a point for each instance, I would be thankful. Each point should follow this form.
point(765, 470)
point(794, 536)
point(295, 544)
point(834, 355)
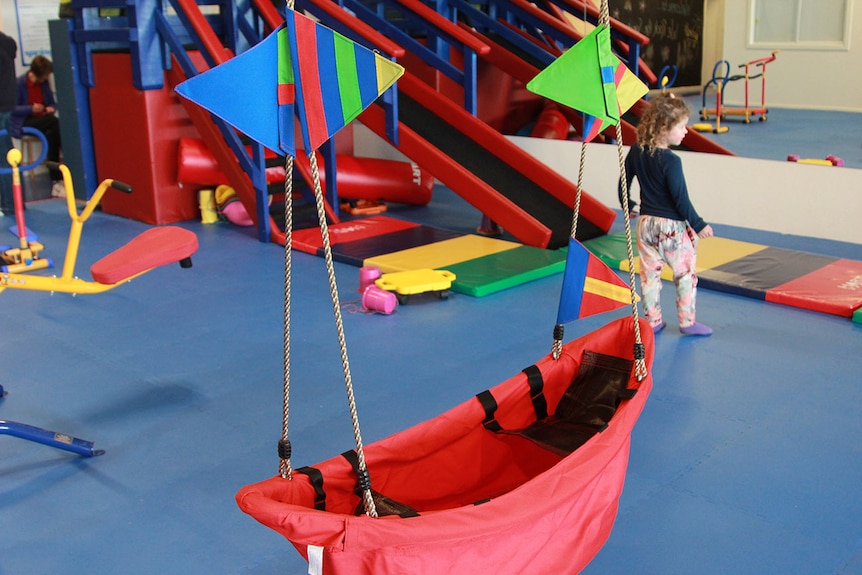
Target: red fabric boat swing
point(487, 500)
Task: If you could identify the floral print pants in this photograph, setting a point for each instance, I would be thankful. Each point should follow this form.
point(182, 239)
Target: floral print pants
point(665, 241)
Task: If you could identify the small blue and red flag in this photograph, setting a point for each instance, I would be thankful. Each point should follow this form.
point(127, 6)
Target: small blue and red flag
point(590, 287)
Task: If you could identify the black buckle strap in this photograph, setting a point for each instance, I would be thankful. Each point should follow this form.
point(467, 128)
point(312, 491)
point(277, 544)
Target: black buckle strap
point(537, 391)
point(316, 478)
point(489, 404)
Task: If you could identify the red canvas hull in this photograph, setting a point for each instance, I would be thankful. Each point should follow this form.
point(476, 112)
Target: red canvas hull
point(488, 502)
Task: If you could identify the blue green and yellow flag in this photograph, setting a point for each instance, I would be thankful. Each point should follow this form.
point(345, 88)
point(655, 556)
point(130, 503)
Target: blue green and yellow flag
point(336, 78)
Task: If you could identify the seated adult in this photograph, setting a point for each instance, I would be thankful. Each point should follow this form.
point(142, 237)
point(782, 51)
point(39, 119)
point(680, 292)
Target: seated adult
point(36, 108)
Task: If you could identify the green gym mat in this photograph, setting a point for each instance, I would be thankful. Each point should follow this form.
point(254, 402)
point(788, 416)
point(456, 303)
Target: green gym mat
point(498, 271)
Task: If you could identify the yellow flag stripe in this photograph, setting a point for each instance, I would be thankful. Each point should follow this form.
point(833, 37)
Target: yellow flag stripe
point(607, 290)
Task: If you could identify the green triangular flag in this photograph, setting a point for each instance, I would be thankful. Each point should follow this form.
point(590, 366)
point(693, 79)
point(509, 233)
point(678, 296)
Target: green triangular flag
point(607, 67)
point(583, 77)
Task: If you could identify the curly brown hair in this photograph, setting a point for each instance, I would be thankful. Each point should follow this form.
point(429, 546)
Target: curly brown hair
point(662, 114)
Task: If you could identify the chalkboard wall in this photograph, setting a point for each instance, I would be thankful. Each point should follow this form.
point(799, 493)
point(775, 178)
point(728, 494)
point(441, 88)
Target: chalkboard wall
point(675, 30)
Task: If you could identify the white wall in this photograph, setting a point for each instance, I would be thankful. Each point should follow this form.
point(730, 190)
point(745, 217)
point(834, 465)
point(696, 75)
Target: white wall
point(783, 197)
point(813, 79)
point(31, 32)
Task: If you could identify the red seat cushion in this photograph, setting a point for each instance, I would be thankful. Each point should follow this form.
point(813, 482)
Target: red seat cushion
point(152, 248)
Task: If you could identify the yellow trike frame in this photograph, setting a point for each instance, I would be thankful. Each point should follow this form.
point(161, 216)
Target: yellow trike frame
point(163, 245)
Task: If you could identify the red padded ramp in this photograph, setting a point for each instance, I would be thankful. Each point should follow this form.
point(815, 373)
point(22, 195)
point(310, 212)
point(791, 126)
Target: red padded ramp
point(505, 56)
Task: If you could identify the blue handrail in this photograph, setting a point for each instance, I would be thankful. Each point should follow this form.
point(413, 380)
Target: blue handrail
point(43, 152)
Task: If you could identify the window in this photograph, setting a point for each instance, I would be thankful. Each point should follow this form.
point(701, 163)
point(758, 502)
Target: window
point(805, 24)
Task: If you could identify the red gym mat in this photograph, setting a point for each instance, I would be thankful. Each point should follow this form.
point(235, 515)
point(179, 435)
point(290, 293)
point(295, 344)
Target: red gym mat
point(835, 288)
point(309, 240)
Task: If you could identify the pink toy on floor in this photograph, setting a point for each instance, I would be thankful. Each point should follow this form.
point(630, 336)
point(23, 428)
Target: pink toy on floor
point(230, 206)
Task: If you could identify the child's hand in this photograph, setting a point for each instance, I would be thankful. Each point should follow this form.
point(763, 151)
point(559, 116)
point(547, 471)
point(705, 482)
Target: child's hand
point(705, 232)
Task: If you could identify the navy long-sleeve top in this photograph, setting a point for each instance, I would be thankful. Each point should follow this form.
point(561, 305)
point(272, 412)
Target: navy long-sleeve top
point(663, 191)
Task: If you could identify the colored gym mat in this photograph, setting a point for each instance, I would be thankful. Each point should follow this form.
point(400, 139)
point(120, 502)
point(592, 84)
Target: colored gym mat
point(308, 240)
point(711, 252)
point(439, 255)
point(482, 265)
point(355, 240)
point(495, 272)
point(414, 238)
point(835, 288)
point(755, 274)
point(799, 279)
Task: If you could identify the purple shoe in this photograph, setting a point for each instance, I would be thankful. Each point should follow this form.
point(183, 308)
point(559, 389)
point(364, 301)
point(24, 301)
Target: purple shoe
point(658, 327)
point(696, 329)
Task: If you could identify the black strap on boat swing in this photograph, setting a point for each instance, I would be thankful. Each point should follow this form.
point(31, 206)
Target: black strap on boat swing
point(586, 407)
point(489, 404)
point(537, 396)
point(384, 505)
point(537, 391)
point(316, 479)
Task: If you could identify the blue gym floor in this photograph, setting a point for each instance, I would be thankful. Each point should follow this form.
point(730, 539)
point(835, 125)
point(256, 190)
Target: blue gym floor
point(746, 459)
point(804, 133)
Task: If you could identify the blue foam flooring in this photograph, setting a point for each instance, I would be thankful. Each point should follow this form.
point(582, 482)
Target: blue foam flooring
point(744, 461)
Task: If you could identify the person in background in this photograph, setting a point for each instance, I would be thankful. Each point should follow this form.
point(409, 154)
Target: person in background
point(36, 108)
point(668, 227)
point(8, 99)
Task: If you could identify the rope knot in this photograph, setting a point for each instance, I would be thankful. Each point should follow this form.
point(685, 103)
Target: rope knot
point(284, 449)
